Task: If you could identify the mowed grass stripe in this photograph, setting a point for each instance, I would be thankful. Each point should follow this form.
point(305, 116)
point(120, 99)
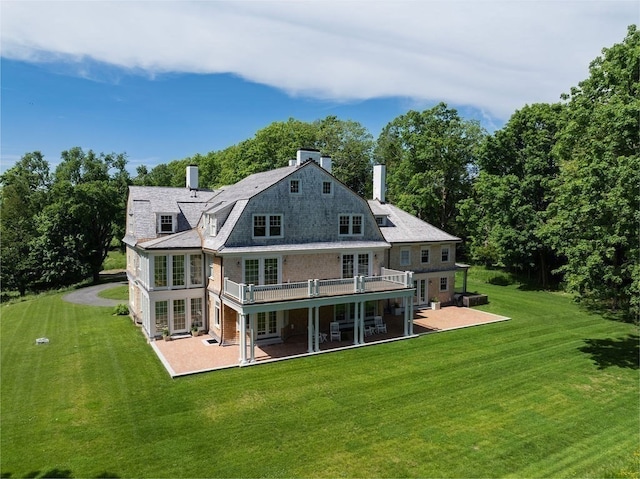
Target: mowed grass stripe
point(498, 400)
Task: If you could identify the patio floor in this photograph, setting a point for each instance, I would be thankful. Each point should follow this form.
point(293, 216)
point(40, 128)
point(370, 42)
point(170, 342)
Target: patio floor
point(195, 355)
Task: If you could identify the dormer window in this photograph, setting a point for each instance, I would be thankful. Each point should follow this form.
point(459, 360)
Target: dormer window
point(381, 220)
point(167, 223)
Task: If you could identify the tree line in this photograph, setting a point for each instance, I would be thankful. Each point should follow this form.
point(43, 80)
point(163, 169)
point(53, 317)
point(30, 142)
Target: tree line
point(553, 195)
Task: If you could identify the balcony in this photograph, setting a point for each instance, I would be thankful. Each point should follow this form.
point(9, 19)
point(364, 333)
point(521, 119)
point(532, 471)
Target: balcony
point(389, 280)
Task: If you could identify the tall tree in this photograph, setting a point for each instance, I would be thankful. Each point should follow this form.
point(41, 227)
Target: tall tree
point(595, 216)
point(87, 205)
point(24, 194)
point(511, 194)
point(350, 146)
point(431, 159)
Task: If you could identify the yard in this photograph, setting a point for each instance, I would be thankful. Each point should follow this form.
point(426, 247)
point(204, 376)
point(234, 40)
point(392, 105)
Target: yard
point(552, 393)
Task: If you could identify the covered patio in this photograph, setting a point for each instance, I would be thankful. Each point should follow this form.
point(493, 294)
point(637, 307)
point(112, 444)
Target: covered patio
point(192, 355)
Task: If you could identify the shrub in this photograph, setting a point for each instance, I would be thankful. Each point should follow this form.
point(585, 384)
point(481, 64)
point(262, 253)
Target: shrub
point(121, 310)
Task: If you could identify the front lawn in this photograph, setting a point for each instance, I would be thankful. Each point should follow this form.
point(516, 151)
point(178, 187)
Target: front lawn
point(552, 393)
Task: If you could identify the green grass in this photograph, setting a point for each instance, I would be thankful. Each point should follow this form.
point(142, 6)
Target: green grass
point(115, 260)
point(552, 393)
point(117, 292)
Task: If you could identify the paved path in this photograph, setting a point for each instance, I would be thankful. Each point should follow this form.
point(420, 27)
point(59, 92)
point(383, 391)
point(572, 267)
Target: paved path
point(89, 295)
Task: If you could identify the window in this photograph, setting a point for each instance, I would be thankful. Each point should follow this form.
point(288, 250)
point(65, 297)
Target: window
point(216, 314)
point(326, 188)
point(195, 268)
point(275, 225)
point(259, 226)
point(424, 255)
point(177, 273)
point(405, 256)
point(294, 187)
point(363, 264)
point(262, 271)
point(271, 271)
point(267, 323)
point(160, 272)
point(162, 315)
point(350, 225)
point(251, 271)
point(347, 266)
point(380, 220)
point(267, 226)
point(445, 254)
point(213, 225)
point(166, 224)
point(196, 312)
point(179, 315)
point(444, 284)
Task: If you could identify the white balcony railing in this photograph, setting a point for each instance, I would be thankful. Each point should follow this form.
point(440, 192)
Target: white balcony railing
point(389, 280)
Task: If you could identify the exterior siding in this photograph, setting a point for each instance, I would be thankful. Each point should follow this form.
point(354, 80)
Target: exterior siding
point(435, 263)
point(303, 221)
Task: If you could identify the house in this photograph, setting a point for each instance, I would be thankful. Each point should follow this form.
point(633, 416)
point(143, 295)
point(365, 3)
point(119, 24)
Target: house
point(280, 253)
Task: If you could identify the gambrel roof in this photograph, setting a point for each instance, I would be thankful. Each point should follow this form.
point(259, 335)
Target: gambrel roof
point(145, 202)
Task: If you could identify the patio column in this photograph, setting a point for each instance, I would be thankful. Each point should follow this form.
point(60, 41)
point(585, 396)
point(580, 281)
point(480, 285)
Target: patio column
point(411, 318)
point(252, 337)
point(316, 329)
point(310, 330)
point(407, 304)
point(362, 313)
point(356, 323)
point(243, 339)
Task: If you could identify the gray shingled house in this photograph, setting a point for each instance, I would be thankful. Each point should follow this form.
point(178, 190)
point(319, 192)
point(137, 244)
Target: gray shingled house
point(284, 252)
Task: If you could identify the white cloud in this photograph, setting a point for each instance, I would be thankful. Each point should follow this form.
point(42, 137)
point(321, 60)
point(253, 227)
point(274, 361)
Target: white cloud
point(493, 55)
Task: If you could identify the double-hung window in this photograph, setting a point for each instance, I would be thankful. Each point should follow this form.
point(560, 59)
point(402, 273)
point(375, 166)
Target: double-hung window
point(350, 225)
point(294, 187)
point(166, 223)
point(326, 188)
point(267, 226)
point(444, 284)
point(445, 254)
point(424, 255)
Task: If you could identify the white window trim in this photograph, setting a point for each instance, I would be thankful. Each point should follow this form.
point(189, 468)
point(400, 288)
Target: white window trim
point(267, 226)
point(174, 222)
point(330, 188)
point(261, 260)
point(428, 250)
point(351, 217)
point(441, 289)
point(356, 255)
point(299, 181)
point(187, 272)
point(448, 250)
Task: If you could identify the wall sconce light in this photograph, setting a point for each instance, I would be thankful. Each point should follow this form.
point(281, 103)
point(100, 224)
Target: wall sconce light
point(375, 256)
point(238, 263)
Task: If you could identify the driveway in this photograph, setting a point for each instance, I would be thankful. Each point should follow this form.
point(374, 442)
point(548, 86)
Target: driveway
point(89, 295)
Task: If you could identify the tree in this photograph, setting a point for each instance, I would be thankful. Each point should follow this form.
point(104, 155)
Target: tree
point(23, 195)
point(88, 199)
point(350, 146)
point(511, 194)
point(594, 218)
point(431, 160)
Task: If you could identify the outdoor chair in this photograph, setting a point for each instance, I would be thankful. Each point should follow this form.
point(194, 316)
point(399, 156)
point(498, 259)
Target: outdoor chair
point(380, 326)
point(335, 331)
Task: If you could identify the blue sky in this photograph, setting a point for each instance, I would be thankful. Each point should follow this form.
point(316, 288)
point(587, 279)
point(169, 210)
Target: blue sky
point(166, 80)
